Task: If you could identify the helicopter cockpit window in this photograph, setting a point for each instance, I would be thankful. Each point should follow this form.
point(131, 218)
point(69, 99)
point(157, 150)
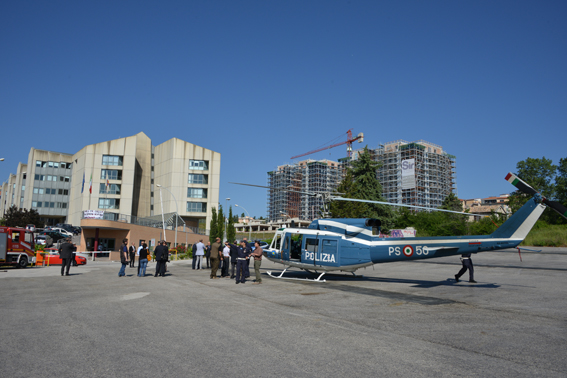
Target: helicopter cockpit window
point(278, 242)
point(311, 245)
point(295, 252)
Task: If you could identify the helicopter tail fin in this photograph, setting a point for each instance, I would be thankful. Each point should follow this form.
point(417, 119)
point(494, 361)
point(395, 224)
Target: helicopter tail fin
point(520, 224)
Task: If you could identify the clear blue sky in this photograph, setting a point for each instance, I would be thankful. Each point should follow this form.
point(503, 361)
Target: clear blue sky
point(261, 81)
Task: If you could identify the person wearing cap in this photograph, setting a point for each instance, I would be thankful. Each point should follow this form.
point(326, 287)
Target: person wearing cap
point(66, 253)
point(244, 252)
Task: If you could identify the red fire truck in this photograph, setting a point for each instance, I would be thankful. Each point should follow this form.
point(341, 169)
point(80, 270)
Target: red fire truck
point(16, 246)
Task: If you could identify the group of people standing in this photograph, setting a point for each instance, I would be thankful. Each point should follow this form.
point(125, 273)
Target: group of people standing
point(233, 255)
point(128, 256)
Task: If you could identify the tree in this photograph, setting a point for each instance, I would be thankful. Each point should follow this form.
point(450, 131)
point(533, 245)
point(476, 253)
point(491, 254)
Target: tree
point(213, 230)
point(21, 217)
point(361, 182)
point(220, 224)
point(231, 231)
point(561, 182)
point(452, 202)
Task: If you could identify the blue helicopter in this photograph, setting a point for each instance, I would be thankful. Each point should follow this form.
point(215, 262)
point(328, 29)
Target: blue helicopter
point(346, 245)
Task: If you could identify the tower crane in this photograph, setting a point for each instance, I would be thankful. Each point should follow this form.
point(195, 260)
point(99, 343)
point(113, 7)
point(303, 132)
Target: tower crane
point(348, 142)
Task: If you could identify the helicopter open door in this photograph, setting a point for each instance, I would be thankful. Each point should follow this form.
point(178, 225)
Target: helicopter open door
point(286, 247)
point(321, 251)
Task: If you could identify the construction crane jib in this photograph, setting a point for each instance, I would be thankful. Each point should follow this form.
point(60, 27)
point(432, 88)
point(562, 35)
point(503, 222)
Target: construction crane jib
point(348, 142)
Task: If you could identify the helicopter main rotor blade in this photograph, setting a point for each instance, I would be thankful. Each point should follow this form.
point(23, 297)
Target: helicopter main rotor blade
point(402, 205)
point(524, 187)
point(520, 184)
point(268, 187)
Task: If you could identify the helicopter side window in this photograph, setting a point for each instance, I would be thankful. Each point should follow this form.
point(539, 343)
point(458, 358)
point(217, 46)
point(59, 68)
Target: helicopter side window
point(286, 246)
point(311, 245)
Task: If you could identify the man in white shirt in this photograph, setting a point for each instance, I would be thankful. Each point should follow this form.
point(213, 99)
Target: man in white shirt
point(200, 253)
point(225, 260)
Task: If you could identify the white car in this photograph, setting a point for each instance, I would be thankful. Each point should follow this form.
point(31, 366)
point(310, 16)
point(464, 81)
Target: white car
point(44, 240)
point(62, 231)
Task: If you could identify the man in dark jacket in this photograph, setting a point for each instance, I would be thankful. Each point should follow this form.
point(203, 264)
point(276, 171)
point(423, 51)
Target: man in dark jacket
point(66, 253)
point(132, 251)
point(194, 249)
point(162, 255)
point(242, 262)
point(233, 256)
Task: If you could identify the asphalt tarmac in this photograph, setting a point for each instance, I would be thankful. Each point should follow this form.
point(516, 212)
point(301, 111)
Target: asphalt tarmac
point(396, 320)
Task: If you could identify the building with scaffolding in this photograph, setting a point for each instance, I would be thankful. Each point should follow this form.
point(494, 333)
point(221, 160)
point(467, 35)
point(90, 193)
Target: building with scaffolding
point(416, 173)
point(288, 183)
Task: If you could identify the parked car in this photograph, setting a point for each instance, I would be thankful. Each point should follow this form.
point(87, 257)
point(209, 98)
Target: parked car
point(45, 240)
point(56, 236)
point(62, 231)
point(31, 227)
point(54, 259)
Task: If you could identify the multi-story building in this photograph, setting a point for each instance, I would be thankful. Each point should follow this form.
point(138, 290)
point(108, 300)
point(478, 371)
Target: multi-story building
point(119, 179)
point(288, 181)
point(415, 173)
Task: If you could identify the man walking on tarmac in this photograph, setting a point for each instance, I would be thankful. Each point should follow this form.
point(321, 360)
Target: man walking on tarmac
point(66, 253)
point(467, 264)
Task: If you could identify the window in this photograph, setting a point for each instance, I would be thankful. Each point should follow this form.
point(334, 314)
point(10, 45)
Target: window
point(198, 179)
point(64, 178)
point(196, 193)
point(61, 205)
point(36, 204)
point(200, 165)
point(196, 207)
point(111, 189)
point(311, 245)
point(109, 203)
point(110, 216)
point(37, 190)
point(38, 163)
point(63, 192)
point(111, 174)
point(111, 160)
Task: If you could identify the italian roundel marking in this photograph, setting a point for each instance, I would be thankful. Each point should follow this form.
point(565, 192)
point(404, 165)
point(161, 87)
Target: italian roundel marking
point(408, 250)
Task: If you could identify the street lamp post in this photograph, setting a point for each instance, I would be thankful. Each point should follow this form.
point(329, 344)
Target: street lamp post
point(249, 222)
point(176, 212)
point(162, 219)
point(226, 219)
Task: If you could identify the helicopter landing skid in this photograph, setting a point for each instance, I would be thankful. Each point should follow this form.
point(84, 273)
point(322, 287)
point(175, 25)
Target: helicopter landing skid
point(318, 279)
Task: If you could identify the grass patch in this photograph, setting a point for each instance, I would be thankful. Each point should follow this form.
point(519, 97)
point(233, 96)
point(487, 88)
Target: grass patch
point(547, 236)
